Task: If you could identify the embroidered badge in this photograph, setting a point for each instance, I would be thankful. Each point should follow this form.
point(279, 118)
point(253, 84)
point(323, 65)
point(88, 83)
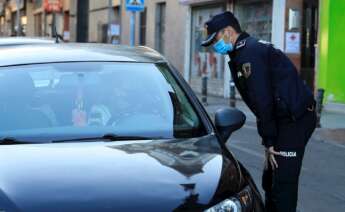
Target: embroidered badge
point(288, 154)
point(241, 44)
point(246, 70)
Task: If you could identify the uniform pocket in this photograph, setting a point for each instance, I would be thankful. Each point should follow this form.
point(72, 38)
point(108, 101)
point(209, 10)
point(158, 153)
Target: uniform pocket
point(307, 125)
point(281, 108)
point(289, 136)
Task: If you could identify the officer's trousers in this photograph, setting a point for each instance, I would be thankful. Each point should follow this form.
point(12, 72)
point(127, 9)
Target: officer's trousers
point(281, 185)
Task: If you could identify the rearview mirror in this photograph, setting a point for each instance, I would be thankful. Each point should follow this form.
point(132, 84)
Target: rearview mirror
point(227, 121)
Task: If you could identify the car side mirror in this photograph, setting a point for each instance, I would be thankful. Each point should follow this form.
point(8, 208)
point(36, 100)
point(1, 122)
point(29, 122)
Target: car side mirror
point(227, 121)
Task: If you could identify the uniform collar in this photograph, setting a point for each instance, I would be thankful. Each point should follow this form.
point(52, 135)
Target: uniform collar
point(241, 37)
point(240, 42)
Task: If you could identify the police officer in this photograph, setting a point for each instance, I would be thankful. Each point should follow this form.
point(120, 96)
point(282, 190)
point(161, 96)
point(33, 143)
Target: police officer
point(283, 105)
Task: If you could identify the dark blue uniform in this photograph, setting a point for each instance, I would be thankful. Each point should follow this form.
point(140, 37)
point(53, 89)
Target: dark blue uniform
point(284, 106)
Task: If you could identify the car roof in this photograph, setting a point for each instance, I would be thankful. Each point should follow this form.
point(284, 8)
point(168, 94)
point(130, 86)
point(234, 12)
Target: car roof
point(76, 52)
point(10, 41)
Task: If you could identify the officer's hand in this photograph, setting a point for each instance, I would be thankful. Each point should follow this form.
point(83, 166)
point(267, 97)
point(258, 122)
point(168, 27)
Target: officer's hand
point(270, 157)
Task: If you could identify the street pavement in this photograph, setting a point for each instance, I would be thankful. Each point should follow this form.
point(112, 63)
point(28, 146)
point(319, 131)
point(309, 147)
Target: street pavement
point(322, 181)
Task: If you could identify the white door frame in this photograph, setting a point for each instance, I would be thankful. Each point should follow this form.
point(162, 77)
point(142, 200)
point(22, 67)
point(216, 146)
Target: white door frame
point(278, 23)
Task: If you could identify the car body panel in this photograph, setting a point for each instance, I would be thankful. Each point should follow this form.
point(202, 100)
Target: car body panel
point(13, 41)
point(116, 176)
point(76, 52)
point(160, 175)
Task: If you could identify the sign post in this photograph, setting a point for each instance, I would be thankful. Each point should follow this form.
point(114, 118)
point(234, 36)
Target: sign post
point(134, 6)
point(132, 27)
point(110, 8)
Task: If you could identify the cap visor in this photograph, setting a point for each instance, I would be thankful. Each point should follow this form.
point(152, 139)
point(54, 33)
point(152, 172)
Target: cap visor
point(209, 40)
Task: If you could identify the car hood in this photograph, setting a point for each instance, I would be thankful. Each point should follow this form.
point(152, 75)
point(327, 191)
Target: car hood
point(162, 175)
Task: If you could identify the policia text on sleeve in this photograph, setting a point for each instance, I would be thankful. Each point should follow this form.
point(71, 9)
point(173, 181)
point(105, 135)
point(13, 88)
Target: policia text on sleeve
point(282, 103)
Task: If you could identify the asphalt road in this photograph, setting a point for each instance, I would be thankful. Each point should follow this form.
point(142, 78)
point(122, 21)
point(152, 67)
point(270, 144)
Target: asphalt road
point(322, 181)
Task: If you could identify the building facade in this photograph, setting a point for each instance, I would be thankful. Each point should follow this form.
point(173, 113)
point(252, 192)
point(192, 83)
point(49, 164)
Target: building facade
point(175, 28)
point(100, 12)
point(35, 18)
point(291, 25)
point(331, 77)
point(10, 15)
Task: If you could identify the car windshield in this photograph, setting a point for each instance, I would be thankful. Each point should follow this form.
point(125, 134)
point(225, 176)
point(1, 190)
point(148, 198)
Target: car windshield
point(87, 99)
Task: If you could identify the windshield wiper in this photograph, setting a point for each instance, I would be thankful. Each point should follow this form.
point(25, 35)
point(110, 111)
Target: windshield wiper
point(107, 137)
point(13, 141)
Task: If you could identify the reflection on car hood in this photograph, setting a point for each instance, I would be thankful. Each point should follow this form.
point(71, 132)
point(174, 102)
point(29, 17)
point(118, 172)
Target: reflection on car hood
point(118, 176)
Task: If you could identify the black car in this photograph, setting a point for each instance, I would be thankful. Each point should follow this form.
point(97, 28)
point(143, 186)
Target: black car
point(92, 127)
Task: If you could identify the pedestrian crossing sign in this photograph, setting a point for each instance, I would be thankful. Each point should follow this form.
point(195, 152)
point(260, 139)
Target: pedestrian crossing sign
point(135, 5)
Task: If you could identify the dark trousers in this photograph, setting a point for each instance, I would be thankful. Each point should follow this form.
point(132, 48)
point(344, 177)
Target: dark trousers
point(281, 185)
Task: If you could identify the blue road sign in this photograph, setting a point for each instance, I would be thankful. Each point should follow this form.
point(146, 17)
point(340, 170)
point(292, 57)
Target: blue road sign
point(135, 5)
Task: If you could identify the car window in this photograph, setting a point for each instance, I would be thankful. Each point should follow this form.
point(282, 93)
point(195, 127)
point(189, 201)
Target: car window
point(85, 98)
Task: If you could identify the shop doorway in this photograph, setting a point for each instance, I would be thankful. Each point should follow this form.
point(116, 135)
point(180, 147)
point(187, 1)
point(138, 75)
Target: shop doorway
point(310, 25)
point(204, 62)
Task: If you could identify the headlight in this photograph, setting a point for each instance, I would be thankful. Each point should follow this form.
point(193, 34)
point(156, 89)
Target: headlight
point(228, 205)
point(241, 202)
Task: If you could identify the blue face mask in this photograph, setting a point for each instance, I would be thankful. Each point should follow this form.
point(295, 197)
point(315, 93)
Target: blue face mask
point(223, 48)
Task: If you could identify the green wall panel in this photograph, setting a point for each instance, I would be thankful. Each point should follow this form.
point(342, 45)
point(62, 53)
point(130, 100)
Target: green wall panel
point(331, 74)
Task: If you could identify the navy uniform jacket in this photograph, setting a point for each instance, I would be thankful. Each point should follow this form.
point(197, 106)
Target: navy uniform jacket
point(269, 84)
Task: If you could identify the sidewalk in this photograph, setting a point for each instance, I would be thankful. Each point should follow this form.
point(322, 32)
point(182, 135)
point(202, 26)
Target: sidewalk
point(332, 121)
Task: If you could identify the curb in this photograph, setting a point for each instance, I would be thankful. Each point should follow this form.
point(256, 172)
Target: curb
point(334, 108)
point(335, 136)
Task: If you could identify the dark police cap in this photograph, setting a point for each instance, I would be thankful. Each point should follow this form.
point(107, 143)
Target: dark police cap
point(217, 23)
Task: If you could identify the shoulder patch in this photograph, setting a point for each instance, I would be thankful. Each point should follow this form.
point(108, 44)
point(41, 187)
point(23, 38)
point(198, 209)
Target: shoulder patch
point(246, 70)
point(240, 44)
point(264, 42)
